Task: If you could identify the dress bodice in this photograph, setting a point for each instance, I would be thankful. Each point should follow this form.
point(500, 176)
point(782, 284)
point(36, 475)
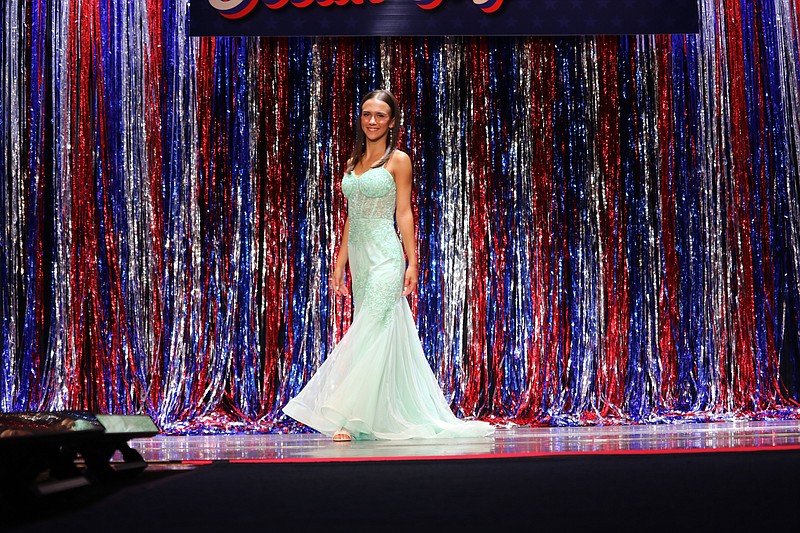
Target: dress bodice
point(371, 195)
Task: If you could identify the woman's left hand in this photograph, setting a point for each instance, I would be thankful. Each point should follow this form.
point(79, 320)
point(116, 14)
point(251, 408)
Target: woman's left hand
point(410, 282)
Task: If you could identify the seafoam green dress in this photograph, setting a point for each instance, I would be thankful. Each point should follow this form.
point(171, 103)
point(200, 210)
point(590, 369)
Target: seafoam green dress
point(376, 383)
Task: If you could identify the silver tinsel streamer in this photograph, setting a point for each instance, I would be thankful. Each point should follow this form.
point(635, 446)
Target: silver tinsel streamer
point(254, 67)
point(594, 322)
point(14, 75)
point(182, 254)
point(61, 343)
point(143, 272)
point(316, 274)
point(710, 174)
point(455, 219)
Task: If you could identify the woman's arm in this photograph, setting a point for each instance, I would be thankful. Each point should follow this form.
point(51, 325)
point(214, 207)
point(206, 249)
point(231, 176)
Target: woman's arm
point(339, 286)
point(401, 168)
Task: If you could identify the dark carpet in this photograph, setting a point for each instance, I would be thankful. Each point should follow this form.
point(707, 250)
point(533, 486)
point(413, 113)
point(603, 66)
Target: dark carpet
point(682, 492)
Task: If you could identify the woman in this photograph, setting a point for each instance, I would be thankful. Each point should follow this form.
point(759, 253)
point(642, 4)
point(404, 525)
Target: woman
point(376, 383)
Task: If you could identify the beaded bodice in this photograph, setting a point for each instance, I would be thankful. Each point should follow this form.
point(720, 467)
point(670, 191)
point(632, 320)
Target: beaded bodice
point(370, 195)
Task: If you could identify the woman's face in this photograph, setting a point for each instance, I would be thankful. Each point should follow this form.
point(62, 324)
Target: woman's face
point(376, 119)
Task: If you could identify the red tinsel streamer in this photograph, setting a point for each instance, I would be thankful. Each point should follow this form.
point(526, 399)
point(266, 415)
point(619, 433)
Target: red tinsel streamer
point(342, 137)
point(154, 70)
point(741, 360)
point(611, 374)
point(409, 93)
point(667, 302)
point(87, 352)
point(544, 339)
point(477, 367)
point(270, 86)
point(205, 72)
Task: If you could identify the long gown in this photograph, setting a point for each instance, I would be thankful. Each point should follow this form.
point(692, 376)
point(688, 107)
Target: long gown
point(376, 382)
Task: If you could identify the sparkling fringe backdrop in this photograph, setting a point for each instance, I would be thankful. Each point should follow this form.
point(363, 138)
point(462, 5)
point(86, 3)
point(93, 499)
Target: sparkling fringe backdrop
point(609, 227)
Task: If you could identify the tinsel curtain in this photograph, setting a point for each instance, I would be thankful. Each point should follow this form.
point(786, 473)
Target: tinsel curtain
point(608, 227)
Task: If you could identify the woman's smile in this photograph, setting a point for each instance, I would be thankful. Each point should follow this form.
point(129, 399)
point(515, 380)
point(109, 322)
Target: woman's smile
point(376, 119)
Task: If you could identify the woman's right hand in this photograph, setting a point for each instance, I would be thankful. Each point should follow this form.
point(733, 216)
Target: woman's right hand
point(338, 284)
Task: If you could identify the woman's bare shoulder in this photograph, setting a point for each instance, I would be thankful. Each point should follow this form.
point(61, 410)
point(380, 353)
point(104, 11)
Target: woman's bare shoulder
point(399, 161)
point(399, 166)
point(400, 156)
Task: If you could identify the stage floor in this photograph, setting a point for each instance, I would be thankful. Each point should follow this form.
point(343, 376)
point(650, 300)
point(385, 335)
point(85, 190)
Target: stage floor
point(506, 443)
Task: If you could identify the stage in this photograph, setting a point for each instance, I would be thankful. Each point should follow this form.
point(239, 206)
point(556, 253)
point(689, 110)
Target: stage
point(513, 442)
point(730, 475)
point(605, 228)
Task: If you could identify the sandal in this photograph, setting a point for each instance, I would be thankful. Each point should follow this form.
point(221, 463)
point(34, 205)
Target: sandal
point(342, 436)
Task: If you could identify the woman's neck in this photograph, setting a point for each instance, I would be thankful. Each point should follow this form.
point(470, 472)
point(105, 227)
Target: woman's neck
point(374, 152)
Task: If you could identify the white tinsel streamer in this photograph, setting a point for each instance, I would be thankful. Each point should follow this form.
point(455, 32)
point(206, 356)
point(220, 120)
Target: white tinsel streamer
point(453, 237)
point(142, 267)
point(594, 349)
point(254, 56)
point(316, 274)
point(13, 76)
point(713, 137)
point(182, 229)
point(386, 63)
point(61, 343)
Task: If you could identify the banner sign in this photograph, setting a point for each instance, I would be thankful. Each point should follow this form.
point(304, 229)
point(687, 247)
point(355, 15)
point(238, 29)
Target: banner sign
point(441, 17)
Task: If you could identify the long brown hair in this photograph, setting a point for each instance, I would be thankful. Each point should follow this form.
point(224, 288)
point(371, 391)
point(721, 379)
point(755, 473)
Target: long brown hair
point(361, 140)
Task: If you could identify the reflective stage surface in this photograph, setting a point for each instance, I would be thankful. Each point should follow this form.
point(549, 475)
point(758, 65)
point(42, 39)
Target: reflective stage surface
point(515, 442)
